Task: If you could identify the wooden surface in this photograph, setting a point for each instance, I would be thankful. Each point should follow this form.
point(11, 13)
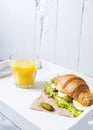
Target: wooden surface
point(86, 48)
point(17, 22)
point(15, 103)
point(57, 30)
point(68, 33)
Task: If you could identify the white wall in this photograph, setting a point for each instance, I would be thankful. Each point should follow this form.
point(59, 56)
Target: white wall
point(86, 48)
point(17, 19)
point(68, 33)
point(58, 30)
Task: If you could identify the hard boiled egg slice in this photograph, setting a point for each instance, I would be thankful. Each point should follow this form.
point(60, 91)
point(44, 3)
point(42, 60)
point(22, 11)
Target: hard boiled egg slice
point(53, 86)
point(78, 106)
point(60, 94)
point(91, 91)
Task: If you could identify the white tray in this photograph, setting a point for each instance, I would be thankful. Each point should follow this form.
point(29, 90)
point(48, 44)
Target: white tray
point(15, 103)
point(5, 68)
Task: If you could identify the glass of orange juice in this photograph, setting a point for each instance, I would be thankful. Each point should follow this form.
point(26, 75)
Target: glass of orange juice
point(24, 70)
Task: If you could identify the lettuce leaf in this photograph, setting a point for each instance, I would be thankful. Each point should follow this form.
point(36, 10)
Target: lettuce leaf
point(61, 102)
point(53, 80)
point(48, 89)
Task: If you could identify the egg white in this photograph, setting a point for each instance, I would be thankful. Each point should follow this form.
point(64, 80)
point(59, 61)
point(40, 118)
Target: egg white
point(53, 85)
point(78, 106)
point(91, 90)
point(60, 94)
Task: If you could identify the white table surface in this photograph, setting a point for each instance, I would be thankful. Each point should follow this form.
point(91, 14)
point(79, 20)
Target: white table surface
point(15, 102)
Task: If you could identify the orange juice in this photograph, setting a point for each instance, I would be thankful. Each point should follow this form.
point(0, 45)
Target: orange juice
point(24, 72)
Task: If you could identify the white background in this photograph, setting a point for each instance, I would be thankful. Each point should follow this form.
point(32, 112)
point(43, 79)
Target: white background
point(60, 31)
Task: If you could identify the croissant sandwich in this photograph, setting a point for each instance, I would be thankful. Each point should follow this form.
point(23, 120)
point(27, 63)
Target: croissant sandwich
point(70, 92)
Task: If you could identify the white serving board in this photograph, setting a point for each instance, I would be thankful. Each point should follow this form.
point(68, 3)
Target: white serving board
point(15, 103)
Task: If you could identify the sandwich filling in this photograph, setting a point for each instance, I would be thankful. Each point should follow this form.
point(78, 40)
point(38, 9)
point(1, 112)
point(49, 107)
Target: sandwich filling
point(62, 100)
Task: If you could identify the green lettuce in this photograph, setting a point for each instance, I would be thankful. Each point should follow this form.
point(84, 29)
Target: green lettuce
point(61, 102)
point(48, 89)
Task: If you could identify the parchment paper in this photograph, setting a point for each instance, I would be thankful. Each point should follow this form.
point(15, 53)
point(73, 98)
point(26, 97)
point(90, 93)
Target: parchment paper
point(44, 98)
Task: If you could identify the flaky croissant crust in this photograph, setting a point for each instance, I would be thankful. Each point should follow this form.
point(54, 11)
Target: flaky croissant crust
point(75, 87)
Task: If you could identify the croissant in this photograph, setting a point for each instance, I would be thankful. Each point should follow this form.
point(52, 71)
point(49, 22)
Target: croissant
point(74, 87)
